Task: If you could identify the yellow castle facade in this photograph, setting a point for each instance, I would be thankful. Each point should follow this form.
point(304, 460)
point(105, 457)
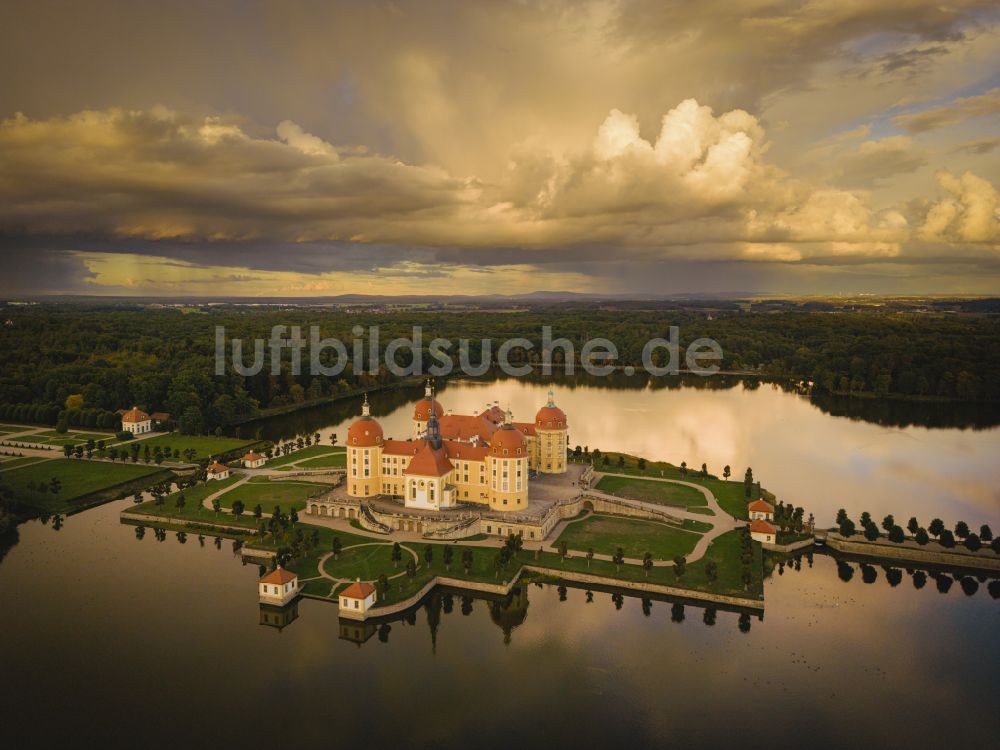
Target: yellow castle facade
point(452, 459)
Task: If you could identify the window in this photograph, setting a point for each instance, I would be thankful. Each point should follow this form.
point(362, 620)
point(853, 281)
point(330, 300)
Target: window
point(356, 603)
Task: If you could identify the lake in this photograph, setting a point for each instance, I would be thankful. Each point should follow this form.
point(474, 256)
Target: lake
point(160, 644)
point(880, 460)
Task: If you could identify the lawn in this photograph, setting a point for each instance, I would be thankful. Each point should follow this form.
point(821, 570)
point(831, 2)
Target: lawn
point(335, 460)
point(312, 452)
point(80, 480)
point(270, 493)
point(607, 533)
point(651, 491)
point(14, 427)
point(193, 509)
point(366, 562)
point(730, 494)
point(204, 446)
point(10, 462)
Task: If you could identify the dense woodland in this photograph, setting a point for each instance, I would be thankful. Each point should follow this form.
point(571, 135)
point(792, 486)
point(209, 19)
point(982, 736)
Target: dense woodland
point(80, 364)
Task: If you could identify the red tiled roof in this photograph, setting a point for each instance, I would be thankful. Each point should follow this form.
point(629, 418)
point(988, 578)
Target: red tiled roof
point(761, 526)
point(465, 451)
point(133, 415)
point(422, 409)
point(762, 506)
point(364, 432)
point(494, 414)
point(279, 576)
point(465, 427)
point(216, 468)
point(401, 447)
point(251, 456)
point(160, 416)
point(550, 418)
point(358, 590)
point(528, 428)
point(429, 462)
point(510, 438)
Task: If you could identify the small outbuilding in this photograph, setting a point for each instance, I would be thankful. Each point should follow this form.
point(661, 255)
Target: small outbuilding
point(136, 421)
point(278, 587)
point(217, 471)
point(253, 460)
point(761, 509)
point(356, 600)
point(763, 531)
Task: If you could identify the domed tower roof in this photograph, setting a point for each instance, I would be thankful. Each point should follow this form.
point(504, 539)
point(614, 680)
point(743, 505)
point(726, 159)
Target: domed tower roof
point(508, 437)
point(364, 431)
point(550, 416)
point(423, 408)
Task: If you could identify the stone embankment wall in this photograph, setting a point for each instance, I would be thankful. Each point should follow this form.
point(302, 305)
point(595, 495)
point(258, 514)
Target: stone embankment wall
point(985, 559)
point(150, 520)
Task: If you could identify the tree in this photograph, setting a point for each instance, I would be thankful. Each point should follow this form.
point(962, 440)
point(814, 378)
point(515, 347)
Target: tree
point(647, 563)
point(467, 559)
point(680, 565)
point(847, 528)
point(684, 468)
point(258, 511)
point(871, 532)
point(727, 472)
point(921, 537)
point(590, 555)
point(397, 554)
point(947, 539)
point(704, 470)
point(428, 554)
point(216, 504)
point(337, 545)
point(896, 535)
point(293, 516)
point(973, 542)
point(841, 516)
point(411, 568)
point(936, 527)
point(180, 501)
point(866, 519)
point(238, 508)
point(67, 450)
point(562, 550)
point(888, 522)
point(995, 545)
point(382, 584)
point(642, 464)
point(55, 485)
point(447, 555)
point(961, 529)
point(912, 525)
point(711, 570)
point(621, 461)
point(748, 482)
point(985, 533)
point(618, 558)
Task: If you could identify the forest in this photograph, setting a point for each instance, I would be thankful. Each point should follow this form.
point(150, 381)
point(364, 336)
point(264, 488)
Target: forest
point(82, 364)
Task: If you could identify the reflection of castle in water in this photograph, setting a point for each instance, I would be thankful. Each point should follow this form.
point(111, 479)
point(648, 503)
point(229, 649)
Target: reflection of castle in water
point(509, 612)
point(279, 617)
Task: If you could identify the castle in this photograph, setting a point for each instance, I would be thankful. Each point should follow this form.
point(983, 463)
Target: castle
point(456, 458)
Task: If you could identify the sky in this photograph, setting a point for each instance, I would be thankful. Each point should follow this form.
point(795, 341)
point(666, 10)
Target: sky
point(499, 147)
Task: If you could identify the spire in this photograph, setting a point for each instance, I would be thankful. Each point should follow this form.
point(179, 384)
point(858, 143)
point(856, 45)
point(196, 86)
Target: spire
point(552, 400)
point(433, 432)
point(365, 409)
point(427, 388)
point(508, 416)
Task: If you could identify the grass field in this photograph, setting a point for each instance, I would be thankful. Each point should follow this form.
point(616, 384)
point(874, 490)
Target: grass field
point(366, 562)
point(204, 446)
point(607, 533)
point(267, 493)
point(730, 494)
point(334, 460)
point(10, 462)
point(312, 452)
point(651, 491)
point(193, 499)
point(80, 480)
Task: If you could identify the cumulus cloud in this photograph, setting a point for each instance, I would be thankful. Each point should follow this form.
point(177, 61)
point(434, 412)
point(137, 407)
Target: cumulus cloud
point(969, 213)
point(950, 114)
point(700, 187)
